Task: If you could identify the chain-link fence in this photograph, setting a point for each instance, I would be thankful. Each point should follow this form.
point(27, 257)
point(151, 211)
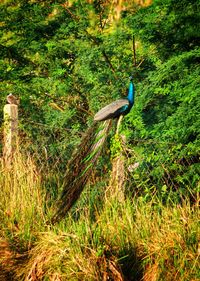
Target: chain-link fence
point(150, 165)
point(164, 167)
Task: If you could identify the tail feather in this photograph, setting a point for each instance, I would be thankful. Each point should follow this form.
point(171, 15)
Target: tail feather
point(80, 166)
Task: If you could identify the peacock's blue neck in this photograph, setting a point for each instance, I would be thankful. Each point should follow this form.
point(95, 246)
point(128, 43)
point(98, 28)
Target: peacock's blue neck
point(131, 93)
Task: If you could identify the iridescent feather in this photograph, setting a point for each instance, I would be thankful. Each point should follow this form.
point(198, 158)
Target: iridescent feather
point(85, 157)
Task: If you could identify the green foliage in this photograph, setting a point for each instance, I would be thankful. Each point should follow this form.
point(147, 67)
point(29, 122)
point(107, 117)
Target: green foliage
point(52, 53)
point(168, 114)
point(65, 61)
point(163, 128)
point(116, 146)
point(171, 26)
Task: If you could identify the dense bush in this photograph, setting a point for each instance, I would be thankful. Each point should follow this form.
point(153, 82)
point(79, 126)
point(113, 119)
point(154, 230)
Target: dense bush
point(65, 61)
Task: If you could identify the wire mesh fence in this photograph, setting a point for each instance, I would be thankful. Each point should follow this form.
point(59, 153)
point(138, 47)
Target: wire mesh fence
point(150, 165)
point(164, 167)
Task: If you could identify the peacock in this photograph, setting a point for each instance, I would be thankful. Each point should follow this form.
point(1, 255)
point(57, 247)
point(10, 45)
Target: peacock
point(84, 158)
point(117, 108)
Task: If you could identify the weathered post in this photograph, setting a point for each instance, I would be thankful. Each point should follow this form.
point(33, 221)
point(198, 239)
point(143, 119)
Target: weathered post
point(117, 179)
point(10, 130)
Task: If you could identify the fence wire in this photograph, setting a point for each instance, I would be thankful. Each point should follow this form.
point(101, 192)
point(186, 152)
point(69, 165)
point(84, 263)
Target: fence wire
point(164, 167)
point(149, 163)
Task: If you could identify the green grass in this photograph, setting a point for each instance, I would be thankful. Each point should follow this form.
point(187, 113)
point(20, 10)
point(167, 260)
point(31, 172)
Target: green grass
point(134, 239)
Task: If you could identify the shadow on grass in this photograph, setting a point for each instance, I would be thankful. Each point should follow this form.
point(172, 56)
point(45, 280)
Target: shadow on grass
point(124, 266)
point(131, 265)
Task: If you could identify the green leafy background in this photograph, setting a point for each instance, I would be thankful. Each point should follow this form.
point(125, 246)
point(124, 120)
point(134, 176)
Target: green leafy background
point(65, 60)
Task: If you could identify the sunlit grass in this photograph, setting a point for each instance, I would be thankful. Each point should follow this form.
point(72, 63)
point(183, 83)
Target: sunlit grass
point(133, 239)
point(21, 199)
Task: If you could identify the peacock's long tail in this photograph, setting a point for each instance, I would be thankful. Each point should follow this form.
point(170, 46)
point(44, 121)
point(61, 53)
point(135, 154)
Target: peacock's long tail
point(80, 166)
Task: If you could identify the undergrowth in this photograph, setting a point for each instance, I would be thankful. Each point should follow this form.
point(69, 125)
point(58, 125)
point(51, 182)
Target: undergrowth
point(131, 240)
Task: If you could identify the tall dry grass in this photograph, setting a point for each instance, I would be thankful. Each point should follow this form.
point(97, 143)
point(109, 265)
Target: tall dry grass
point(21, 202)
point(131, 240)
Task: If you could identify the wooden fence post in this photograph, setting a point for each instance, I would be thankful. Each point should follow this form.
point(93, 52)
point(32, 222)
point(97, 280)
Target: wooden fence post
point(10, 132)
point(117, 180)
point(116, 187)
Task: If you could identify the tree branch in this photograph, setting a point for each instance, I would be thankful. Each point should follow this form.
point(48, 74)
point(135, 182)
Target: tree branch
point(134, 53)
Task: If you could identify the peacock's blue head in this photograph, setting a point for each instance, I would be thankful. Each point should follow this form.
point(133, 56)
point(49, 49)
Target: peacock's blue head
point(131, 91)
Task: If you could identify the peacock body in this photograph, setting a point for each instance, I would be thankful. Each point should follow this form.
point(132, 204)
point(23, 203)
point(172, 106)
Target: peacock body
point(118, 107)
point(85, 157)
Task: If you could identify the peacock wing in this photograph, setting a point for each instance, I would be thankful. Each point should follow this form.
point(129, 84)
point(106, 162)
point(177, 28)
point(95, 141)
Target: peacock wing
point(109, 110)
